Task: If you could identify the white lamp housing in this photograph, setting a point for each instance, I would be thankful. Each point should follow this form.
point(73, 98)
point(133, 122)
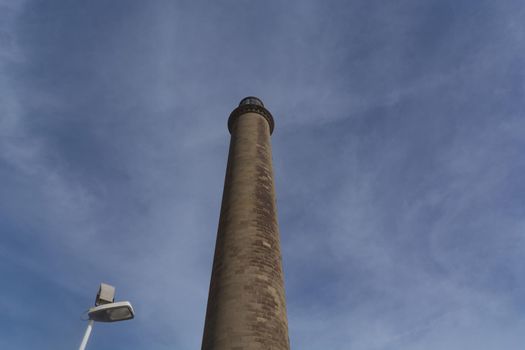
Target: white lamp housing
point(113, 312)
point(105, 295)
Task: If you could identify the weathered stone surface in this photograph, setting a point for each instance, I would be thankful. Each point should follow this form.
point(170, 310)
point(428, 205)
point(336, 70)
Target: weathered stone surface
point(246, 305)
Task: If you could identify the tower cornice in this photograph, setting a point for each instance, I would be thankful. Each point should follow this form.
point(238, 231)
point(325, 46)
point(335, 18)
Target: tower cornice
point(250, 108)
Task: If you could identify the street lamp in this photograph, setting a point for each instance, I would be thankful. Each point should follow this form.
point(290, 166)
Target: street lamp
point(106, 310)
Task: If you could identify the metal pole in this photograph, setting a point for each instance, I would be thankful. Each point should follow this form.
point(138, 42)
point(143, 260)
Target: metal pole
point(86, 335)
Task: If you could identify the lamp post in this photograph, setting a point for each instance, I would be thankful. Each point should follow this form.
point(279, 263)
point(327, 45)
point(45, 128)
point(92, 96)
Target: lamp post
point(106, 310)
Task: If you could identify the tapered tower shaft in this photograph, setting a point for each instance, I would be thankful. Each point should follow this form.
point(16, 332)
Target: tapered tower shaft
point(246, 304)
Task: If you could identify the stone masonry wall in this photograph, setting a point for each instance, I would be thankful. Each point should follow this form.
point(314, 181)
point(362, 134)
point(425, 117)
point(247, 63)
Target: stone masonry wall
point(246, 305)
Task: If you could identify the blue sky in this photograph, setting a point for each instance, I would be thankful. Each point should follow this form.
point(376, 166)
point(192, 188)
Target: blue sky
point(398, 155)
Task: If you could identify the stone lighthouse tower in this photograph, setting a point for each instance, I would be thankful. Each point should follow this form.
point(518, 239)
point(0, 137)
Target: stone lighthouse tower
point(246, 304)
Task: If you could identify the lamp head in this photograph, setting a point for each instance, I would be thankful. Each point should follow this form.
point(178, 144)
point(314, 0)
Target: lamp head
point(105, 295)
point(113, 312)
